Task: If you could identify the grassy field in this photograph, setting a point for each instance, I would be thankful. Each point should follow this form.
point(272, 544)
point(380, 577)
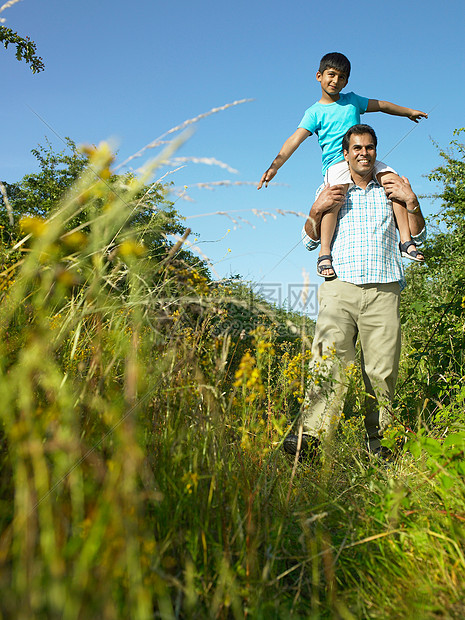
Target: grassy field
point(143, 407)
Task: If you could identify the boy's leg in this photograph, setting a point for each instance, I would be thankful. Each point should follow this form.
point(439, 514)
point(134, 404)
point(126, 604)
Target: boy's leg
point(337, 174)
point(327, 228)
point(401, 215)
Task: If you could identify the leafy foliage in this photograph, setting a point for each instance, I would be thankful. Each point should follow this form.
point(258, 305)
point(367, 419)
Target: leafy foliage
point(25, 48)
point(434, 305)
point(39, 193)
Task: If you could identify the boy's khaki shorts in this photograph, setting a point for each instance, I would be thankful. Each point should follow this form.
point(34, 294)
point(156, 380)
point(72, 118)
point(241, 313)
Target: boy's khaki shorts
point(339, 174)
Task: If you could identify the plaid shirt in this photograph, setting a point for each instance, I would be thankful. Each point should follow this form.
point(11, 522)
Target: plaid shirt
point(365, 247)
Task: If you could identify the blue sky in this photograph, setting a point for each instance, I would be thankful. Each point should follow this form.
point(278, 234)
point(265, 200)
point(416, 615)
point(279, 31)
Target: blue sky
point(130, 71)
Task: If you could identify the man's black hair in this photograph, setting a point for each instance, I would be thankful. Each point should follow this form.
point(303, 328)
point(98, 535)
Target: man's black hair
point(335, 60)
point(358, 130)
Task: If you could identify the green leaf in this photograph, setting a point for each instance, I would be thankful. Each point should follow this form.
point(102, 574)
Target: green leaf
point(414, 448)
point(447, 481)
point(432, 446)
point(454, 439)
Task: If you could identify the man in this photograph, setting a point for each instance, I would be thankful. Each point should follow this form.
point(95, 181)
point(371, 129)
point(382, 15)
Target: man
point(362, 300)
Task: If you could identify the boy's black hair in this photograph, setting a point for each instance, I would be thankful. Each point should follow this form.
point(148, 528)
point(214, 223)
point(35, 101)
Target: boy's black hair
point(358, 130)
point(335, 60)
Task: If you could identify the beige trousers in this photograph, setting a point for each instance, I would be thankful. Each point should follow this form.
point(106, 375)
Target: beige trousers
point(348, 311)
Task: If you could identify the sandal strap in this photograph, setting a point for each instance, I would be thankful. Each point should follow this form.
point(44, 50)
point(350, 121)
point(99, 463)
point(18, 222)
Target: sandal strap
point(405, 246)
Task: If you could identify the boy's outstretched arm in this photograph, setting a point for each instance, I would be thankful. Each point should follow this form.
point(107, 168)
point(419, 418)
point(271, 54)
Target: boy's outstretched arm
point(291, 145)
point(376, 105)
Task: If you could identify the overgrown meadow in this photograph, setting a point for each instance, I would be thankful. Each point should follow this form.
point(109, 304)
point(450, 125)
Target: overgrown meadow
point(143, 408)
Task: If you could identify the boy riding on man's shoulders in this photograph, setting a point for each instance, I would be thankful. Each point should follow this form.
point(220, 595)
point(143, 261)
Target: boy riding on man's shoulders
point(329, 119)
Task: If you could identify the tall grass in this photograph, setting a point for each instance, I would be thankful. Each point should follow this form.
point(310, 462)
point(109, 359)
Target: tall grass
point(141, 470)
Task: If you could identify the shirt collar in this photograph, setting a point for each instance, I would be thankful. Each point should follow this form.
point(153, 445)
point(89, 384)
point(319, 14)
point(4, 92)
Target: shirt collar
point(373, 181)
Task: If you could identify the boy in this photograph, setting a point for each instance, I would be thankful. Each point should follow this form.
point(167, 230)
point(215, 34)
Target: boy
point(330, 118)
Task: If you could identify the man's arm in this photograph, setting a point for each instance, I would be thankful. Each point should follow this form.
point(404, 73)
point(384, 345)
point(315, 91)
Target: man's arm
point(400, 189)
point(291, 145)
point(327, 200)
point(375, 105)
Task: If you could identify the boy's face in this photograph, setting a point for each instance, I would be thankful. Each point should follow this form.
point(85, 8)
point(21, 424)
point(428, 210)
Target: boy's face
point(332, 81)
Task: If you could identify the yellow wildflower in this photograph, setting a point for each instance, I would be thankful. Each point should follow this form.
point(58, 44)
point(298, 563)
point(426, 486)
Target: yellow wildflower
point(75, 240)
point(130, 248)
point(35, 226)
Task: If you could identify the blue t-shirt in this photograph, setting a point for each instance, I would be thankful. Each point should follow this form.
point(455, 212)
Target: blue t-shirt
point(330, 121)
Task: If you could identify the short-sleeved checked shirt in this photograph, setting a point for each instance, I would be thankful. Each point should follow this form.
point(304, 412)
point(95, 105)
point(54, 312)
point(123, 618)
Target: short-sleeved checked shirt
point(365, 247)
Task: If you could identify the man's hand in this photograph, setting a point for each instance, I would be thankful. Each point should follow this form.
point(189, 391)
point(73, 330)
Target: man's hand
point(416, 115)
point(329, 198)
point(268, 175)
point(399, 188)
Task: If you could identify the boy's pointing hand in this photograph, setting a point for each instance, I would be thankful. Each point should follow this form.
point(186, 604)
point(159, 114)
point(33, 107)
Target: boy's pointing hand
point(416, 115)
point(267, 176)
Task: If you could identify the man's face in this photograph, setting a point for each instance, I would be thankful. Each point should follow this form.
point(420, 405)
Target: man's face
point(361, 155)
point(332, 81)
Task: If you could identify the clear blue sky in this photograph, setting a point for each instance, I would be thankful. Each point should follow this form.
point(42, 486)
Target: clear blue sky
point(131, 71)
